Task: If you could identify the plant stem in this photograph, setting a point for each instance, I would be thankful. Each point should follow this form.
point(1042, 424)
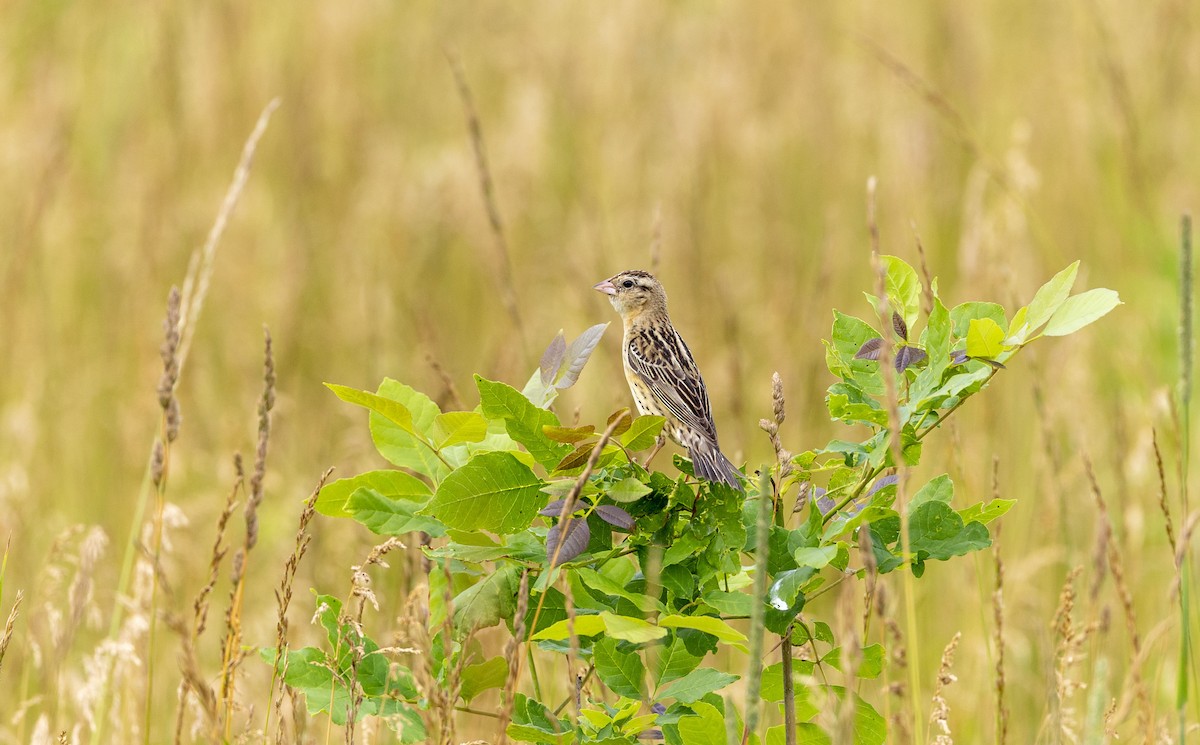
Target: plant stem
point(789, 690)
point(758, 609)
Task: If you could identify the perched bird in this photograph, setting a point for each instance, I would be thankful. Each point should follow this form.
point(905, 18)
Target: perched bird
point(663, 375)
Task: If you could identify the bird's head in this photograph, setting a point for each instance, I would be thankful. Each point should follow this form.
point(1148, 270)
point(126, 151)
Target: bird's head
point(634, 292)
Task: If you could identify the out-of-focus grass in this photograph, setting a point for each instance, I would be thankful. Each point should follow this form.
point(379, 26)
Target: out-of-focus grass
point(1042, 134)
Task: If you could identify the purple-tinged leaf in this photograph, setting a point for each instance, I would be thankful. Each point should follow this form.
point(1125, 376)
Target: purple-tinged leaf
point(552, 358)
point(554, 509)
point(569, 435)
point(651, 734)
point(906, 356)
point(994, 363)
point(881, 483)
point(573, 540)
point(658, 708)
point(576, 458)
point(824, 503)
point(624, 420)
point(869, 350)
point(959, 356)
point(577, 355)
point(615, 516)
point(899, 325)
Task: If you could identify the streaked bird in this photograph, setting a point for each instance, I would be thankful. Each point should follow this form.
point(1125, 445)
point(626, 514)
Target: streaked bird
point(663, 375)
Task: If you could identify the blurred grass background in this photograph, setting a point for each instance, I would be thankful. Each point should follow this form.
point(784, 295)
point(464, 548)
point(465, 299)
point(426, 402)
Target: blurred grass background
point(1015, 137)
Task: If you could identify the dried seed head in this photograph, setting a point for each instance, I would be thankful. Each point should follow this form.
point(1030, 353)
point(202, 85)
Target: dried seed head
point(157, 463)
point(777, 397)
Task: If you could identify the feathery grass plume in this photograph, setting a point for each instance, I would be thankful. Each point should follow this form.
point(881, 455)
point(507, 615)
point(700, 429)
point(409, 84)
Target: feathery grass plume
point(1162, 491)
point(891, 389)
point(1117, 567)
point(782, 457)
point(360, 589)
point(283, 600)
point(939, 718)
point(1068, 654)
point(512, 653)
point(762, 529)
point(9, 624)
point(508, 292)
point(231, 645)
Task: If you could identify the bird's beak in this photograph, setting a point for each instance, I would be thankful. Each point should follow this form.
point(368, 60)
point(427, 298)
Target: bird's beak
point(607, 287)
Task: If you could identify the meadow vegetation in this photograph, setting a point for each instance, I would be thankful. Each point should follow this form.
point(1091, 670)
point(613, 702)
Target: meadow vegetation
point(727, 147)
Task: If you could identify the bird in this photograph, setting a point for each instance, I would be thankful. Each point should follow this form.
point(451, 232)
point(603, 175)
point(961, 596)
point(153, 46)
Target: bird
point(662, 373)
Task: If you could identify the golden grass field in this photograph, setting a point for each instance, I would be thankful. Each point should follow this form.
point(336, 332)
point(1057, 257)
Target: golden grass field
point(729, 143)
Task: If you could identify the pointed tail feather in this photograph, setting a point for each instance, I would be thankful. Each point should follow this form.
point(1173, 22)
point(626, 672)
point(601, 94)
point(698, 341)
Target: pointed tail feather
point(711, 464)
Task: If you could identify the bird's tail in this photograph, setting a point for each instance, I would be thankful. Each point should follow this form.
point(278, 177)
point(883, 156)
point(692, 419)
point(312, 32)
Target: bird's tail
point(711, 464)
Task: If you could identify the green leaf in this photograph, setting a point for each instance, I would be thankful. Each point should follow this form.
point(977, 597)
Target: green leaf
point(522, 420)
point(693, 686)
point(962, 315)
point(331, 500)
point(903, 288)
point(627, 490)
point(486, 675)
point(707, 727)
point(633, 630)
point(807, 733)
point(937, 532)
point(709, 625)
point(673, 662)
point(1050, 297)
point(729, 603)
point(393, 411)
point(622, 672)
point(407, 446)
point(391, 516)
point(848, 336)
point(643, 433)
point(493, 491)
point(985, 339)
point(986, 512)
point(560, 630)
point(606, 586)
point(938, 489)
point(486, 603)
point(457, 427)
point(815, 557)
point(569, 435)
point(870, 661)
point(1080, 310)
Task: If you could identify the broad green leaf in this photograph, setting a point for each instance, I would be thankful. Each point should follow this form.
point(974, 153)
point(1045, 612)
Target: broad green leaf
point(643, 432)
point(938, 489)
point(841, 408)
point(673, 662)
point(678, 580)
point(633, 630)
point(1050, 297)
point(693, 686)
point(493, 491)
point(407, 447)
point(606, 586)
point(709, 625)
point(622, 672)
point(936, 339)
point(937, 532)
point(807, 733)
point(707, 727)
point(487, 602)
point(331, 500)
point(903, 288)
point(533, 722)
point(478, 678)
point(457, 427)
point(729, 603)
point(986, 512)
point(1080, 310)
point(848, 336)
point(870, 661)
point(393, 411)
point(522, 419)
point(985, 338)
point(569, 435)
point(627, 490)
point(583, 626)
point(815, 558)
point(496, 439)
point(391, 516)
point(962, 315)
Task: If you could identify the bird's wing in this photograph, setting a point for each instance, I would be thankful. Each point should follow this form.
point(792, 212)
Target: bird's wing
point(664, 362)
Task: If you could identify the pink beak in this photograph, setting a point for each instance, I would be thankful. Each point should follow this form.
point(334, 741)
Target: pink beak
point(607, 287)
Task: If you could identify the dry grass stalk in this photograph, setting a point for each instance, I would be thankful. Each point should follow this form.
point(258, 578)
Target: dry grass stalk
point(360, 589)
point(939, 719)
point(508, 293)
point(283, 600)
point(231, 655)
point(998, 616)
point(512, 655)
point(927, 279)
point(846, 631)
point(200, 265)
point(193, 681)
point(1117, 567)
point(771, 426)
point(450, 391)
point(1162, 490)
point(1068, 655)
point(656, 239)
point(9, 624)
point(574, 680)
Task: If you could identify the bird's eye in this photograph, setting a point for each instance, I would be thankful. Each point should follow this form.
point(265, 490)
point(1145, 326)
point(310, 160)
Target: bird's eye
point(627, 283)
